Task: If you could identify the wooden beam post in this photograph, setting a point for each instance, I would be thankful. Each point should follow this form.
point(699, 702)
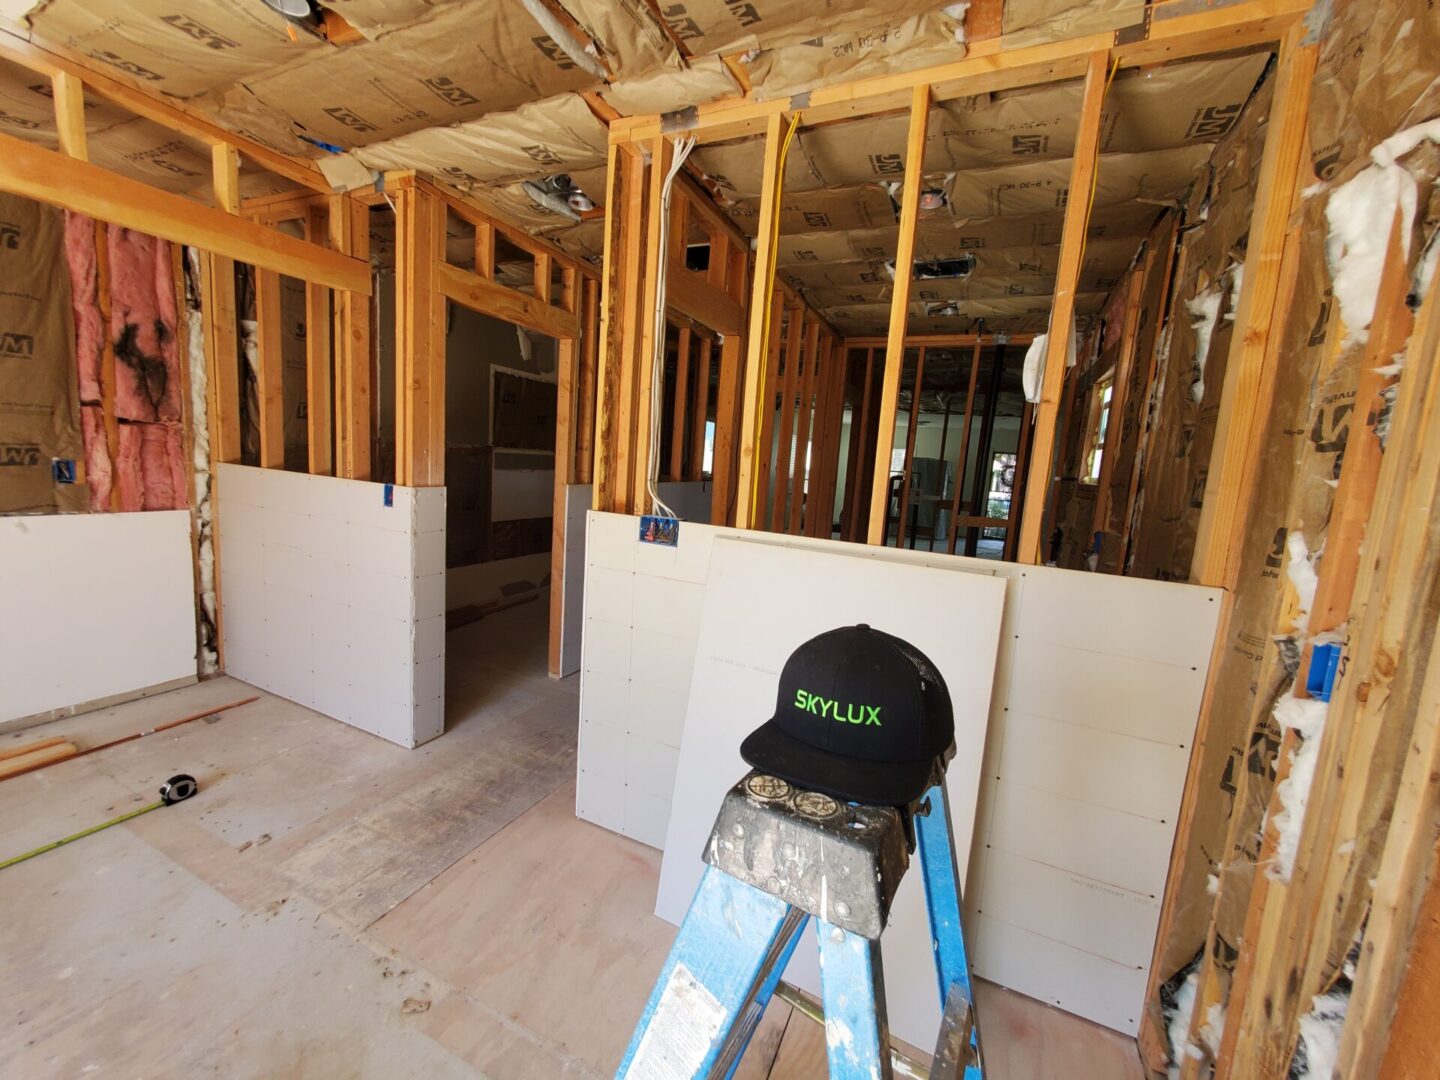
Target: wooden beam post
point(900, 526)
point(859, 435)
point(270, 381)
point(420, 348)
point(758, 332)
point(964, 459)
point(728, 407)
point(700, 407)
point(662, 151)
point(795, 337)
point(69, 94)
point(802, 456)
point(318, 384)
point(1062, 312)
point(619, 327)
point(1249, 381)
point(566, 409)
point(585, 382)
point(899, 309)
point(349, 224)
point(675, 468)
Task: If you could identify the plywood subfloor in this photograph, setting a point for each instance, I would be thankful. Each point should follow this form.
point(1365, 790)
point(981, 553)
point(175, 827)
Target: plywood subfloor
point(331, 906)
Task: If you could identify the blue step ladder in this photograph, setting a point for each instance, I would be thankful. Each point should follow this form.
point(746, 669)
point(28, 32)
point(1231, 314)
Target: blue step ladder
point(778, 856)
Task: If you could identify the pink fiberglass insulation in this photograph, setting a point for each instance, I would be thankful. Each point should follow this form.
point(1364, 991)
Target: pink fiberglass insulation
point(85, 303)
point(150, 469)
point(97, 456)
point(142, 327)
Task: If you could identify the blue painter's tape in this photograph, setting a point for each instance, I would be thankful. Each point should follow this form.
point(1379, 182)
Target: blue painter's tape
point(1324, 664)
point(389, 494)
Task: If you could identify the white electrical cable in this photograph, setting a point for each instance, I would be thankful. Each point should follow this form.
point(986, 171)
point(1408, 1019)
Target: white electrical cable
point(683, 146)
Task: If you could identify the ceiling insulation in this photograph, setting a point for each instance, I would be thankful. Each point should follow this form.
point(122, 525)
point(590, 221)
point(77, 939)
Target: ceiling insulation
point(884, 46)
point(559, 134)
point(1030, 22)
point(705, 79)
point(727, 26)
point(1002, 162)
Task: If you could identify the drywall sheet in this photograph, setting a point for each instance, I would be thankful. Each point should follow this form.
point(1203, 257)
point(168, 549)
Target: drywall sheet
point(688, 498)
point(761, 602)
point(95, 605)
point(333, 595)
point(1096, 694)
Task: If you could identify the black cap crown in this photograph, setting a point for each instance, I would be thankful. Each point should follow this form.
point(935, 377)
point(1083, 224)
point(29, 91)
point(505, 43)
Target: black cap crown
point(861, 715)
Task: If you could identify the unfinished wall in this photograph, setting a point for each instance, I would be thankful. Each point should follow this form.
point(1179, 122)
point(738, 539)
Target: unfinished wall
point(1065, 899)
point(333, 595)
point(96, 606)
point(1190, 371)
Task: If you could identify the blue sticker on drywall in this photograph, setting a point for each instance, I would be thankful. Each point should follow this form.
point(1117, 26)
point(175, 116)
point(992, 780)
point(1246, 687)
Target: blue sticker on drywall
point(660, 530)
point(389, 494)
point(63, 470)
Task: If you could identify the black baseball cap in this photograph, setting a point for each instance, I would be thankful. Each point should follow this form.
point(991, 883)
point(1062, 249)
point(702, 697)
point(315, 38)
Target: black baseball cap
point(861, 715)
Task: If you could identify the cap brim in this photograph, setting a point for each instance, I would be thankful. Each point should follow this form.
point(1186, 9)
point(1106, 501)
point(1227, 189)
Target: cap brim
point(862, 780)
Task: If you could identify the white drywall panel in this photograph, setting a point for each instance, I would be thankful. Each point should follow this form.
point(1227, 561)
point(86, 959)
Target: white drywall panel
point(95, 605)
point(761, 604)
point(1096, 695)
point(333, 595)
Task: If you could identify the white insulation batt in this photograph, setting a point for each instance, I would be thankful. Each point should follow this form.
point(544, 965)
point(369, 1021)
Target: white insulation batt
point(332, 594)
point(1096, 691)
point(96, 605)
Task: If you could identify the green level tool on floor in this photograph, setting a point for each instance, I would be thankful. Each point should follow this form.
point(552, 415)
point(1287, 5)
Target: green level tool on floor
point(176, 789)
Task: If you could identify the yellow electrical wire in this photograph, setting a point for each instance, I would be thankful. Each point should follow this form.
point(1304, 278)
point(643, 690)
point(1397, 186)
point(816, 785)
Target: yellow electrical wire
point(758, 423)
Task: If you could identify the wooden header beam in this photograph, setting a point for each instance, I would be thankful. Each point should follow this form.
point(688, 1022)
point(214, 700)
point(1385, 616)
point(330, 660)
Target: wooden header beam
point(502, 302)
point(50, 177)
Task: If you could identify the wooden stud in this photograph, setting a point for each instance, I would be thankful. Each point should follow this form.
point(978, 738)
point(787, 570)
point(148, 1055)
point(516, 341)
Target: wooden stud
point(906, 468)
point(566, 362)
point(69, 93)
point(1120, 380)
point(420, 348)
point(627, 427)
point(678, 427)
point(222, 361)
point(758, 332)
point(765, 452)
point(585, 383)
point(728, 406)
point(485, 250)
point(964, 459)
point(318, 384)
point(1249, 381)
point(662, 151)
point(859, 435)
point(801, 467)
point(1017, 494)
point(696, 298)
point(270, 380)
point(899, 309)
point(796, 333)
point(617, 313)
point(700, 407)
point(225, 177)
point(51, 177)
point(349, 224)
point(1072, 250)
point(837, 362)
